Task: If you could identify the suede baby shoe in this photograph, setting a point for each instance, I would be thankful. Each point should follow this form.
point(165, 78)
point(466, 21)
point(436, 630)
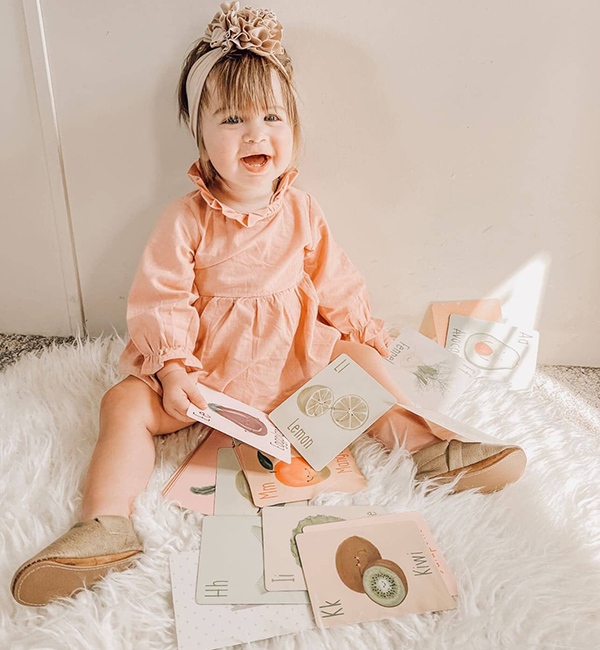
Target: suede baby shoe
point(83, 555)
point(487, 467)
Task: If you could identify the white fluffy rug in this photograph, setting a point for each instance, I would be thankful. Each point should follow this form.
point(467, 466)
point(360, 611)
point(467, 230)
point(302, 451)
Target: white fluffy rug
point(527, 559)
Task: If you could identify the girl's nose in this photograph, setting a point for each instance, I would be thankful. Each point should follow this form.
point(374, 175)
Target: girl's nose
point(255, 133)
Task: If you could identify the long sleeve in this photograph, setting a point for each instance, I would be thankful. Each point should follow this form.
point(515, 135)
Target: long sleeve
point(162, 320)
point(342, 291)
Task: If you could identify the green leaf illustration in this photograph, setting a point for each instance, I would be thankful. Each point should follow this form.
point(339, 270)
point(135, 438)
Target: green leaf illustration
point(207, 489)
point(264, 461)
point(313, 520)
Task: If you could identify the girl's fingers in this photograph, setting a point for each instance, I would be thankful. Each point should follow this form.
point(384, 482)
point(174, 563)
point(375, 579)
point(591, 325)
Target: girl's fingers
point(196, 397)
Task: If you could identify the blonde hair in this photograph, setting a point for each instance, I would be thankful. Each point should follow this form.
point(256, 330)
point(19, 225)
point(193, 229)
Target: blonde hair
point(241, 81)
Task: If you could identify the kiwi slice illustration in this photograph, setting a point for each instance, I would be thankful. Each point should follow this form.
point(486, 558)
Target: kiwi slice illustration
point(385, 583)
point(352, 557)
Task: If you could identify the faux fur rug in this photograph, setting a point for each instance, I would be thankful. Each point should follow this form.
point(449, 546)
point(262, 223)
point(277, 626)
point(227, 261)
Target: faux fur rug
point(526, 559)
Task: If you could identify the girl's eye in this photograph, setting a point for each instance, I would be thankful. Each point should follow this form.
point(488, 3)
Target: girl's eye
point(235, 117)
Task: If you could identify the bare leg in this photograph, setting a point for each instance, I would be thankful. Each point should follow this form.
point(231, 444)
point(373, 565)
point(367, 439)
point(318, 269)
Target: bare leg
point(131, 413)
point(397, 423)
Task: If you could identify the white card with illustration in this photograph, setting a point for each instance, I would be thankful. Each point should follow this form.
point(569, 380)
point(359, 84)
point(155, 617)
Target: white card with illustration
point(428, 374)
point(331, 410)
point(231, 566)
point(208, 627)
point(233, 493)
point(500, 351)
point(242, 422)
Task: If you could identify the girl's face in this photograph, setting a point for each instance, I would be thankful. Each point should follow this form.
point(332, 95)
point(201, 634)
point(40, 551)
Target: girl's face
point(230, 137)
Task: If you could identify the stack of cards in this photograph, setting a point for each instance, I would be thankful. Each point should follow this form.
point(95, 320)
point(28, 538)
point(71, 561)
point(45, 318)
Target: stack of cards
point(260, 576)
point(193, 483)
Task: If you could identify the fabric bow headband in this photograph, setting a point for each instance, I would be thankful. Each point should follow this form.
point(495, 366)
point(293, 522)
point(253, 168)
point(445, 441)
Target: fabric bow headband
point(252, 29)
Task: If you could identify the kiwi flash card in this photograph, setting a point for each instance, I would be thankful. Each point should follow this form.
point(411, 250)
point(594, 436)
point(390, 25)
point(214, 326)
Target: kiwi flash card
point(240, 421)
point(283, 570)
point(331, 410)
point(231, 568)
point(370, 572)
point(499, 351)
point(436, 554)
point(272, 482)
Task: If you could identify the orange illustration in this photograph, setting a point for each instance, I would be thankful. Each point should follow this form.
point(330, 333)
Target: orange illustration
point(299, 473)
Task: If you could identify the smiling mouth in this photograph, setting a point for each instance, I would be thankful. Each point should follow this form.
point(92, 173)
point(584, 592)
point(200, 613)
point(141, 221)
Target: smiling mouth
point(257, 161)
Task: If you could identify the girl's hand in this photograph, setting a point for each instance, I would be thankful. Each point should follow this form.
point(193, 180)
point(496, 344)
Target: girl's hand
point(380, 343)
point(181, 388)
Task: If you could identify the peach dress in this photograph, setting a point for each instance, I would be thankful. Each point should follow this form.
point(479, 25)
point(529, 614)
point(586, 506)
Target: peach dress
point(254, 302)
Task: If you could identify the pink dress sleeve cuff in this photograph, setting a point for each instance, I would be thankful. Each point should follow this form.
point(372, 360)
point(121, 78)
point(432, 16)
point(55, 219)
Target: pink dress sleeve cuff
point(154, 362)
point(373, 327)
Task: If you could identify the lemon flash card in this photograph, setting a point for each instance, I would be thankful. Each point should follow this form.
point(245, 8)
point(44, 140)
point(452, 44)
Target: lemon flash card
point(331, 410)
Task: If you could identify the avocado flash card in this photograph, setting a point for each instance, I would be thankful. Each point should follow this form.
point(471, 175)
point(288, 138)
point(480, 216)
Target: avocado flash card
point(370, 572)
point(240, 421)
point(499, 351)
point(283, 570)
point(273, 482)
point(428, 374)
point(231, 568)
point(331, 410)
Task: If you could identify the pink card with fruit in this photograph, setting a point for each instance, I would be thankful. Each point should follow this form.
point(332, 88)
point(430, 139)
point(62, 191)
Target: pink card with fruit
point(272, 482)
point(370, 571)
point(242, 422)
point(192, 485)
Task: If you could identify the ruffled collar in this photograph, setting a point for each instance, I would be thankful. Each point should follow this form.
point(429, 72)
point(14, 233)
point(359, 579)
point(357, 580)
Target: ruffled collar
point(247, 219)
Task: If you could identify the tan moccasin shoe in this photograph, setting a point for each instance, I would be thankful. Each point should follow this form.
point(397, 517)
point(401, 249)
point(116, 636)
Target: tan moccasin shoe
point(485, 466)
point(79, 558)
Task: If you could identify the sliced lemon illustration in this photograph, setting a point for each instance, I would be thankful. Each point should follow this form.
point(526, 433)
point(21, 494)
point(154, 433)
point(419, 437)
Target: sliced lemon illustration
point(350, 411)
point(315, 400)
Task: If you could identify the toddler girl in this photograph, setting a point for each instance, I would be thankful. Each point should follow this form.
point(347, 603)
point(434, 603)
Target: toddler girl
point(241, 287)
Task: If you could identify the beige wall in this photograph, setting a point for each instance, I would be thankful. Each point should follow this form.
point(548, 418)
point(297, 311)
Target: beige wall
point(453, 146)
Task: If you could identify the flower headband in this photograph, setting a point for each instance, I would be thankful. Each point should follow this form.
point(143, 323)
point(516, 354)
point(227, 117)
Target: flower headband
point(252, 29)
